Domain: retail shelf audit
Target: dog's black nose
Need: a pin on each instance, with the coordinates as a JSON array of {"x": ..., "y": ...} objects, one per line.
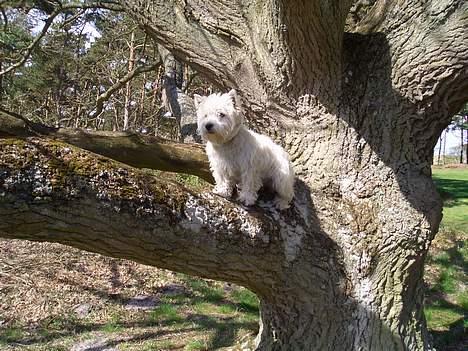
[{"x": 209, "y": 126}]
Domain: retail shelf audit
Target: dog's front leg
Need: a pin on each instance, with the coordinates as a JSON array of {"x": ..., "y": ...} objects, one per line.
[
  {"x": 249, "y": 187},
  {"x": 224, "y": 186}
]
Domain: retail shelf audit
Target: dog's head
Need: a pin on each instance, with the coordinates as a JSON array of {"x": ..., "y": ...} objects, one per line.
[{"x": 219, "y": 116}]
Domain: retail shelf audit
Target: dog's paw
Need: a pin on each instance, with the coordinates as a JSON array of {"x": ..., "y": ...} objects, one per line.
[
  {"x": 223, "y": 191},
  {"x": 247, "y": 198},
  {"x": 280, "y": 203}
]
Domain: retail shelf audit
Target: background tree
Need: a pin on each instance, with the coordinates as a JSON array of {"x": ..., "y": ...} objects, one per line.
[
  {"x": 94, "y": 69},
  {"x": 460, "y": 123},
  {"x": 83, "y": 72},
  {"x": 357, "y": 92}
]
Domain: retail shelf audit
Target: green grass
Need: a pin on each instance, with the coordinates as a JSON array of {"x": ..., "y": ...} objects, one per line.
[
  {"x": 452, "y": 184},
  {"x": 442, "y": 316},
  {"x": 447, "y": 281},
  {"x": 246, "y": 300},
  {"x": 446, "y": 305},
  {"x": 166, "y": 313},
  {"x": 153, "y": 345},
  {"x": 113, "y": 325},
  {"x": 196, "y": 345},
  {"x": 205, "y": 289},
  {"x": 12, "y": 334}
]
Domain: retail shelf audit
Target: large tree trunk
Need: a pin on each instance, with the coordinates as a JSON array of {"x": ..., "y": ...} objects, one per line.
[{"x": 357, "y": 95}]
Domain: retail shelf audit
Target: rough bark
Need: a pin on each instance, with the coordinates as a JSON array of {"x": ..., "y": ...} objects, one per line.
[
  {"x": 358, "y": 111},
  {"x": 137, "y": 150}
]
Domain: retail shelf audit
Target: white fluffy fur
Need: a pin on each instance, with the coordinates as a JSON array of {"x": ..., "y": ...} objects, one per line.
[{"x": 239, "y": 156}]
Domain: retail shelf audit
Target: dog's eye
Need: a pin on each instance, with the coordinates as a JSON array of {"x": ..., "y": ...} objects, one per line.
[{"x": 221, "y": 115}]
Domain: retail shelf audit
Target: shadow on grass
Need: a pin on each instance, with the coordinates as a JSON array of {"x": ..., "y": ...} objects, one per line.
[
  {"x": 240, "y": 314},
  {"x": 225, "y": 330},
  {"x": 452, "y": 191},
  {"x": 201, "y": 291},
  {"x": 452, "y": 256},
  {"x": 455, "y": 338},
  {"x": 449, "y": 331},
  {"x": 441, "y": 303},
  {"x": 446, "y": 301},
  {"x": 70, "y": 327}
]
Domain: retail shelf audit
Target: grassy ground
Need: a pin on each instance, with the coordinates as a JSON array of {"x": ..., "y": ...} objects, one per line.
[
  {"x": 452, "y": 184},
  {"x": 446, "y": 266},
  {"x": 55, "y": 298}
]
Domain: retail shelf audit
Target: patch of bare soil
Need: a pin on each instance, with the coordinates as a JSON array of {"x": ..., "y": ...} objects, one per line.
[
  {"x": 54, "y": 297},
  {"x": 38, "y": 280}
]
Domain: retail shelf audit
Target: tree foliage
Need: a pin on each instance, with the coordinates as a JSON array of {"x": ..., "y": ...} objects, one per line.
[{"x": 95, "y": 68}]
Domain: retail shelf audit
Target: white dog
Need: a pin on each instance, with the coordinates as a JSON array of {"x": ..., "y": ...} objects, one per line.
[{"x": 239, "y": 156}]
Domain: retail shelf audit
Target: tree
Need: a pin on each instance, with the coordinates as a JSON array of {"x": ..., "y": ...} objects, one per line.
[
  {"x": 357, "y": 91},
  {"x": 460, "y": 122}
]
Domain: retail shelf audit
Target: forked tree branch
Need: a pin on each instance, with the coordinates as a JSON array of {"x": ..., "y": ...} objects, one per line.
[
  {"x": 436, "y": 35},
  {"x": 133, "y": 149},
  {"x": 259, "y": 47},
  {"x": 204, "y": 40}
]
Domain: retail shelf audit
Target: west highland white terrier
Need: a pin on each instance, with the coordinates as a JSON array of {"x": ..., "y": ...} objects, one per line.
[{"x": 239, "y": 156}]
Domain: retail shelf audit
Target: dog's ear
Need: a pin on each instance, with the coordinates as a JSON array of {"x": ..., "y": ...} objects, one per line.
[
  {"x": 235, "y": 99},
  {"x": 198, "y": 99}
]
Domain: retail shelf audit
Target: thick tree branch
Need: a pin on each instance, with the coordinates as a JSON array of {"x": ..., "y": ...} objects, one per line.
[
  {"x": 436, "y": 34},
  {"x": 264, "y": 48},
  {"x": 305, "y": 38},
  {"x": 133, "y": 149},
  {"x": 204, "y": 39},
  {"x": 409, "y": 57},
  {"x": 50, "y": 191}
]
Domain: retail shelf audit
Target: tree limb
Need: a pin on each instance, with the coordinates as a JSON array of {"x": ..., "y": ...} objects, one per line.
[
  {"x": 109, "y": 5},
  {"x": 199, "y": 39},
  {"x": 33, "y": 44},
  {"x": 259, "y": 47},
  {"x": 51, "y": 191},
  {"x": 133, "y": 149},
  {"x": 119, "y": 84},
  {"x": 436, "y": 34},
  {"x": 421, "y": 51}
]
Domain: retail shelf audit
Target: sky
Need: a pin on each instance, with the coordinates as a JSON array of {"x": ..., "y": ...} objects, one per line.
[
  {"x": 453, "y": 140},
  {"x": 38, "y": 19}
]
